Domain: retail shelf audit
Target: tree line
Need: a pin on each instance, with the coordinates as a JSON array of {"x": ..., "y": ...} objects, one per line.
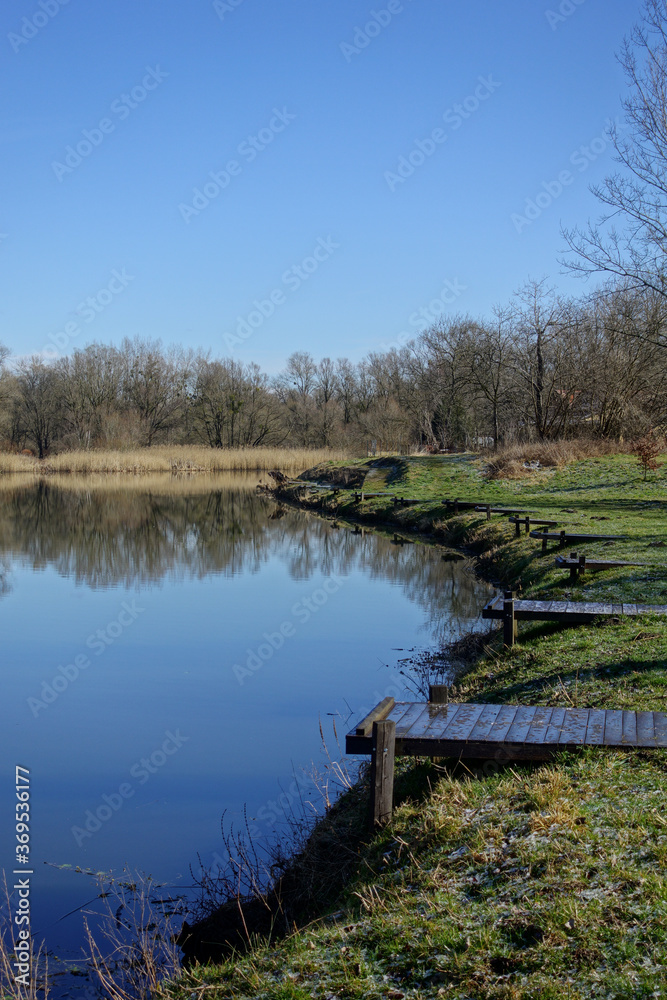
[{"x": 541, "y": 367}]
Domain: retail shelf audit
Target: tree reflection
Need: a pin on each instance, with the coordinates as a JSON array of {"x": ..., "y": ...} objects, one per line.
[{"x": 105, "y": 535}]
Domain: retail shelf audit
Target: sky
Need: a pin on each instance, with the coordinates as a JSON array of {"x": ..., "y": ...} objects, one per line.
[{"x": 256, "y": 177}]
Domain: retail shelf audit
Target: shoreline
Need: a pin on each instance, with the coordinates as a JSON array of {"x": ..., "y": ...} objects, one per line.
[{"x": 531, "y": 867}]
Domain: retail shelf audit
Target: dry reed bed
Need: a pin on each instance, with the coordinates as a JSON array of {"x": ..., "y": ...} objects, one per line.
[
  {"x": 180, "y": 458},
  {"x": 514, "y": 462}
]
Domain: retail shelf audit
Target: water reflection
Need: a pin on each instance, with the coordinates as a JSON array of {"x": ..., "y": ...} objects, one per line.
[
  {"x": 107, "y": 535},
  {"x": 216, "y": 569}
]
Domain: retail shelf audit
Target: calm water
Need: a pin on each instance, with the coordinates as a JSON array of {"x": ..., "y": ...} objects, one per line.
[{"x": 168, "y": 650}]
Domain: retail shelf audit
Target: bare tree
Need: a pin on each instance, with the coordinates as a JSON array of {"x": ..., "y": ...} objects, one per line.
[
  {"x": 89, "y": 382},
  {"x": 487, "y": 363},
  {"x": 37, "y": 403},
  {"x": 295, "y": 387},
  {"x": 155, "y": 384},
  {"x": 636, "y": 198}
]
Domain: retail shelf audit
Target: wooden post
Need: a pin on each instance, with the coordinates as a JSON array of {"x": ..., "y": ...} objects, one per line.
[
  {"x": 573, "y": 569},
  {"x": 509, "y": 621},
  {"x": 382, "y": 773},
  {"x": 438, "y": 694}
]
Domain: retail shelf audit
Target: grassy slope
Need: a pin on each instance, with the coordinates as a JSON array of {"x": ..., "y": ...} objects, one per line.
[{"x": 534, "y": 881}]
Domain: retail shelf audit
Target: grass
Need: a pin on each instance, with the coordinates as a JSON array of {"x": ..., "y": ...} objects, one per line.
[
  {"x": 171, "y": 459},
  {"x": 513, "y": 883}
]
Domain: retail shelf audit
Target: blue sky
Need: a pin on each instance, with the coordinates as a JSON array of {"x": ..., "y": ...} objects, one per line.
[{"x": 292, "y": 120}]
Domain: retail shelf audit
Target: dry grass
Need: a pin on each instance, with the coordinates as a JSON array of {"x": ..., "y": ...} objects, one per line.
[
  {"x": 37, "y": 979},
  {"x": 173, "y": 459},
  {"x": 135, "y": 946},
  {"x": 520, "y": 460}
]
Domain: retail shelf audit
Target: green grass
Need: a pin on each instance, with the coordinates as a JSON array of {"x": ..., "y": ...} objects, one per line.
[{"x": 519, "y": 882}]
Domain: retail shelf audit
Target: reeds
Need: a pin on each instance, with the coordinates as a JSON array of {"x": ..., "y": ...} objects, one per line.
[{"x": 171, "y": 459}]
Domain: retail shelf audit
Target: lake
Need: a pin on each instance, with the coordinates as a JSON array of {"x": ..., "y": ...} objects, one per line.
[{"x": 169, "y": 649}]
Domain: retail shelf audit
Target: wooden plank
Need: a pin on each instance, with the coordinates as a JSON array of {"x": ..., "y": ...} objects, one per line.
[
  {"x": 479, "y": 749},
  {"x": 660, "y": 729},
  {"x": 555, "y": 726},
  {"x": 381, "y": 711},
  {"x": 630, "y": 728},
  {"x": 645, "y": 729},
  {"x": 413, "y": 711},
  {"x": 573, "y": 730},
  {"x": 595, "y": 728},
  {"x": 504, "y": 720},
  {"x": 529, "y": 607},
  {"x": 521, "y": 725},
  {"x": 432, "y": 721},
  {"x": 613, "y": 728},
  {"x": 539, "y": 725},
  {"x": 486, "y": 720},
  {"x": 598, "y": 609},
  {"x": 460, "y": 727}
]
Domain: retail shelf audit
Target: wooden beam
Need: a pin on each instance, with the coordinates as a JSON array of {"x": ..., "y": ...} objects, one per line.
[
  {"x": 382, "y": 773},
  {"x": 509, "y": 621},
  {"x": 381, "y": 711}
]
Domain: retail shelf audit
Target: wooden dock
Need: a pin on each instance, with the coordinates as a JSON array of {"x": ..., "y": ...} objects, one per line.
[
  {"x": 511, "y": 611},
  {"x": 498, "y": 732},
  {"x": 480, "y": 505},
  {"x": 580, "y": 564},
  {"x": 526, "y": 522},
  {"x": 567, "y": 536}
]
